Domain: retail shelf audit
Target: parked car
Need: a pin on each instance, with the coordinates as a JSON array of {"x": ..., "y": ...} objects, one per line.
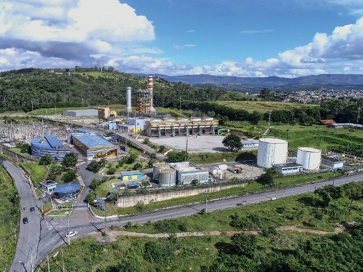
[
  {"x": 71, "y": 234},
  {"x": 25, "y": 220},
  {"x": 32, "y": 209}
]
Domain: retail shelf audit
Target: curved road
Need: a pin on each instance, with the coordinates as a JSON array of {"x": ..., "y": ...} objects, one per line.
[
  {"x": 28, "y": 240},
  {"x": 53, "y": 231}
]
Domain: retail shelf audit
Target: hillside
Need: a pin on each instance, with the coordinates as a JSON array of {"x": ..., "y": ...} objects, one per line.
[
  {"x": 43, "y": 88},
  {"x": 338, "y": 81}
]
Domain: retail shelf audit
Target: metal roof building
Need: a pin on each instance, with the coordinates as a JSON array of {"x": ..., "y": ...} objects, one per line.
[
  {"x": 94, "y": 146},
  {"x": 187, "y": 172},
  {"x": 67, "y": 189},
  {"x": 49, "y": 145},
  {"x": 79, "y": 113}
]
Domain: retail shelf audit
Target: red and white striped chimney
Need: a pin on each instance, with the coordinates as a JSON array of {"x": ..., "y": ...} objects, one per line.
[{"x": 150, "y": 87}]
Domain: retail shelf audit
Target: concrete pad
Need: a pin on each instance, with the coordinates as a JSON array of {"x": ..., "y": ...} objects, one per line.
[{"x": 196, "y": 144}]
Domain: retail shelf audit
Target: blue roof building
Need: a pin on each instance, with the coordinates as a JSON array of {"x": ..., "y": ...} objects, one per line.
[
  {"x": 94, "y": 146},
  {"x": 129, "y": 176},
  {"x": 49, "y": 145}
]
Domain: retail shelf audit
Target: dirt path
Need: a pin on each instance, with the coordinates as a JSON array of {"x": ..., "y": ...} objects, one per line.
[{"x": 113, "y": 234}]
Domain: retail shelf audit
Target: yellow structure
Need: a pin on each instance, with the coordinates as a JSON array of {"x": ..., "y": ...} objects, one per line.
[
  {"x": 144, "y": 101},
  {"x": 105, "y": 113}
]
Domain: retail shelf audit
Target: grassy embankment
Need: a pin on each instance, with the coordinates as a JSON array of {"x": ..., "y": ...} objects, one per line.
[
  {"x": 249, "y": 188},
  {"x": 17, "y": 150},
  {"x": 9, "y": 219},
  {"x": 37, "y": 172},
  {"x": 272, "y": 251}
]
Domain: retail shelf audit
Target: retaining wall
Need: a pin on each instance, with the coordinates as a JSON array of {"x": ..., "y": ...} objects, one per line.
[{"x": 130, "y": 201}]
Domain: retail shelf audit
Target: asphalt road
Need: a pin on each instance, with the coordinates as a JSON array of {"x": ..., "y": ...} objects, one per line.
[
  {"x": 54, "y": 235},
  {"x": 27, "y": 246}
]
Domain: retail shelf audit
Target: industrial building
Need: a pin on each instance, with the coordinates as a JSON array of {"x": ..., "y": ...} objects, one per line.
[
  {"x": 106, "y": 113},
  {"x": 271, "y": 151},
  {"x": 164, "y": 174},
  {"x": 48, "y": 185},
  {"x": 309, "y": 158},
  {"x": 93, "y": 146},
  {"x": 343, "y": 125},
  {"x": 330, "y": 162},
  {"x": 289, "y": 168},
  {"x": 187, "y": 172},
  {"x": 129, "y": 176},
  {"x": 49, "y": 145},
  {"x": 249, "y": 143},
  {"x": 173, "y": 127},
  {"x": 145, "y": 99},
  {"x": 80, "y": 113}
]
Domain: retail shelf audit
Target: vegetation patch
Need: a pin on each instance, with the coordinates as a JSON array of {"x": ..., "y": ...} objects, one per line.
[
  {"x": 9, "y": 219},
  {"x": 36, "y": 171}
]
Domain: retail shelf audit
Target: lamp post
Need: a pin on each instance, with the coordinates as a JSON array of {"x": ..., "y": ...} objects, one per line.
[{"x": 287, "y": 134}]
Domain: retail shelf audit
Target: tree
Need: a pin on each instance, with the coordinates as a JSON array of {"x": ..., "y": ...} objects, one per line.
[
  {"x": 45, "y": 160},
  {"x": 265, "y": 93},
  {"x": 232, "y": 142},
  {"x": 137, "y": 166},
  {"x": 111, "y": 171},
  {"x": 94, "y": 166},
  {"x": 268, "y": 179},
  {"x": 69, "y": 176},
  {"x": 70, "y": 160}
]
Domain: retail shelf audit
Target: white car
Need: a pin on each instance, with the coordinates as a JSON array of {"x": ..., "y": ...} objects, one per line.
[{"x": 71, "y": 234}]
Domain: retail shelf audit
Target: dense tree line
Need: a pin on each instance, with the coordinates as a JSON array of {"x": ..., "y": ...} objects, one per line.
[{"x": 38, "y": 88}]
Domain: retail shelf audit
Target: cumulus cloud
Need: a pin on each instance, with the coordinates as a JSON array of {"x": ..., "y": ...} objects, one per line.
[{"x": 73, "y": 30}]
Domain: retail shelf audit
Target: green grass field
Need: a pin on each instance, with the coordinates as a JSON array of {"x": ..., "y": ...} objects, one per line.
[
  {"x": 273, "y": 250},
  {"x": 319, "y": 137},
  {"x": 17, "y": 151},
  {"x": 9, "y": 219},
  {"x": 262, "y": 106},
  {"x": 37, "y": 172}
]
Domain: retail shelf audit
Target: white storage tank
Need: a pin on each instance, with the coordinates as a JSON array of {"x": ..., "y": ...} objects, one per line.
[
  {"x": 271, "y": 151},
  {"x": 309, "y": 158},
  {"x": 167, "y": 177}
]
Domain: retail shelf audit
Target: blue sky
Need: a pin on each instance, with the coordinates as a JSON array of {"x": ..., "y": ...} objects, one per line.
[{"x": 221, "y": 37}]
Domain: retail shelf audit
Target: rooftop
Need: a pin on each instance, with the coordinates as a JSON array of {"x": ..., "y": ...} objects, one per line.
[
  {"x": 288, "y": 165},
  {"x": 92, "y": 140},
  {"x": 53, "y": 141},
  {"x": 184, "y": 166}
]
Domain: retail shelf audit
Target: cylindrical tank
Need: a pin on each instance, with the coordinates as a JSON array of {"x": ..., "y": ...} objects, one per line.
[
  {"x": 271, "y": 151},
  {"x": 309, "y": 158},
  {"x": 156, "y": 169},
  {"x": 167, "y": 177},
  {"x": 128, "y": 100}
]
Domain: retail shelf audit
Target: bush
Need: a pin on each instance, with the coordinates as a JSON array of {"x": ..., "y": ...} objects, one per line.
[
  {"x": 137, "y": 166},
  {"x": 111, "y": 171}
]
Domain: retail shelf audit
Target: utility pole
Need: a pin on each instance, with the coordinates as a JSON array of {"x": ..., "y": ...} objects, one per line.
[
  {"x": 269, "y": 119},
  {"x": 31, "y": 258},
  {"x": 186, "y": 145},
  {"x": 206, "y": 202},
  {"x": 357, "y": 118},
  {"x": 105, "y": 221},
  {"x": 69, "y": 238},
  {"x": 48, "y": 263},
  {"x": 63, "y": 270}
]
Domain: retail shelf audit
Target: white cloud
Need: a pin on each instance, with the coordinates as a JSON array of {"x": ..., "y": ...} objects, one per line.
[
  {"x": 189, "y": 45},
  {"x": 74, "y": 30}
]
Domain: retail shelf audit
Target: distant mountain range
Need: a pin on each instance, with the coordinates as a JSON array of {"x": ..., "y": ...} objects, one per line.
[{"x": 255, "y": 84}]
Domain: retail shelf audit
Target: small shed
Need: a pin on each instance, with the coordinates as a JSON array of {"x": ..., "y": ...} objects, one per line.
[
  {"x": 127, "y": 176},
  {"x": 289, "y": 168},
  {"x": 48, "y": 185},
  {"x": 330, "y": 162}
]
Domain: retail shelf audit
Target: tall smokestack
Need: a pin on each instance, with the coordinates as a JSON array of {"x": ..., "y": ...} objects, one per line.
[
  {"x": 128, "y": 100},
  {"x": 150, "y": 87}
]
